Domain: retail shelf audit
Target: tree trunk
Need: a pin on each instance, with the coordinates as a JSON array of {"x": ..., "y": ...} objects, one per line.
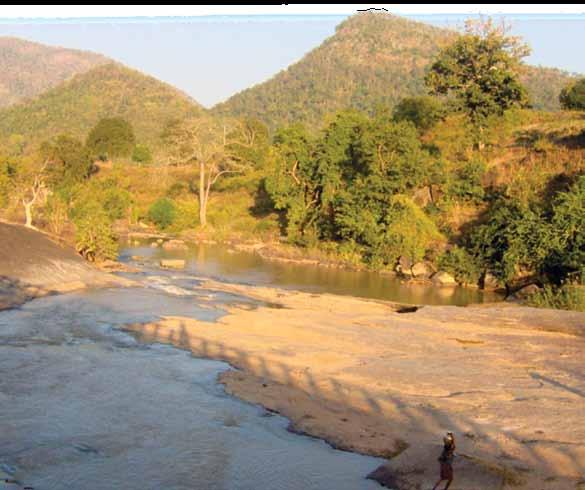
[
  {"x": 202, "y": 196},
  {"x": 28, "y": 212}
]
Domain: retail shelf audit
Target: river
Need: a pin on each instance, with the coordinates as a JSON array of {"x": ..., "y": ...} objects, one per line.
[{"x": 225, "y": 264}]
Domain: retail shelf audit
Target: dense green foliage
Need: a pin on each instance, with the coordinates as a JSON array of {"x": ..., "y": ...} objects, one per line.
[
  {"x": 28, "y": 69},
  {"x": 423, "y": 111},
  {"x": 111, "y": 91},
  {"x": 111, "y": 137},
  {"x": 372, "y": 60},
  {"x": 94, "y": 238},
  {"x": 162, "y": 213},
  {"x": 349, "y": 185},
  {"x": 548, "y": 239},
  {"x": 573, "y": 96}
]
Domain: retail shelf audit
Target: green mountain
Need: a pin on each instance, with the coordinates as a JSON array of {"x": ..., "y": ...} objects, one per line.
[
  {"x": 111, "y": 90},
  {"x": 28, "y": 69},
  {"x": 372, "y": 59}
]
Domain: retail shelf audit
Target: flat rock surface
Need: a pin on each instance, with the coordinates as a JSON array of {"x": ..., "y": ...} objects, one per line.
[
  {"x": 32, "y": 264},
  {"x": 370, "y": 379}
]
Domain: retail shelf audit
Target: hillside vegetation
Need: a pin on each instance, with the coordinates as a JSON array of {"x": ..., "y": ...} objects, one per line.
[
  {"x": 373, "y": 59},
  {"x": 27, "y": 69},
  {"x": 110, "y": 90}
]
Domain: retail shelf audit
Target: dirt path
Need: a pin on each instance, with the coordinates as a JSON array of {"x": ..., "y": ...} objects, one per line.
[{"x": 370, "y": 379}]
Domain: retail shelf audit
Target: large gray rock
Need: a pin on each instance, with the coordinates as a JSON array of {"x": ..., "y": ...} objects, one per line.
[
  {"x": 442, "y": 278},
  {"x": 172, "y": 263},
  {"x": 422, "y": 270}
]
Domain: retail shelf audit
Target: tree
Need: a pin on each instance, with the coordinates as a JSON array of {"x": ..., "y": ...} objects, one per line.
[
  {"x": 292, "y": 184},
  {"x": 69, "y": 161},
  {"x": 33, "y": 188},
  {"x": 111, "y": 137},
  {"x": 423, "y": 111},
  {"x": 210, "y": 144},
  {"x": 572, "y": 97},
  {"x": 480, "y": 70}
]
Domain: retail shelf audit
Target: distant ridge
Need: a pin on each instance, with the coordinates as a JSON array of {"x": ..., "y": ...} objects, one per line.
[
  {"x": 109, "y": 90},
  {"x": 374, "y": 58},
  {"x": 28, "y": 69}
]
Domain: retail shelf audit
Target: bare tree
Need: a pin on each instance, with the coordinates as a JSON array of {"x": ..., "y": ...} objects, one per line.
[
  {"x": 34, "y": 191},
  {"x": 213, "y": 145}
]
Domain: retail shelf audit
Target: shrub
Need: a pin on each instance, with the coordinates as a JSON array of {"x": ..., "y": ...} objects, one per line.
[
  {"x": 566, "y": 297},
  {"x": 458, "y": 262},
  {"x": 423, "y": 111},
  {"x": 466, "y": 184},
  {"x": 94, "y": 237},
  {"x": 141, "y": 154},
  {"x": 162, "y": 213},
  {"x": 572, "y": 97}
]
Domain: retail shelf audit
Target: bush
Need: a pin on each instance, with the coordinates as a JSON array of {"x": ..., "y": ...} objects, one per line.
[
  {"x": 141, "y": 154},
  {"x": 458, "y": 262},
  {"x": 423, "y": 111},
  {"x": 566, "y": 297},
  {"x": 186, "y": 215},
  {"x": 572, "y": 97},
  {"x": 162, "y": 213},
  {"x": 466, "y": 184},
  {"x": 94, "y": 237}
]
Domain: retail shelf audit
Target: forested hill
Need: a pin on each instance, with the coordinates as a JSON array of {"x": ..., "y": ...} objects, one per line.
[
  {"x": 372, "y": 59},
  {"x": 28, "y": 69},
  {"x": 106, "y": 91}
]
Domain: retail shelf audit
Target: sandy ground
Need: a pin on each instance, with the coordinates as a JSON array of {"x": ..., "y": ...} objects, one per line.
[{"x": 379, "y": 379}]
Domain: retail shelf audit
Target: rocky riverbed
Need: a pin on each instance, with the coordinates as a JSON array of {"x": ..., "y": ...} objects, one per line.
[{"x": 382, "y": 379}]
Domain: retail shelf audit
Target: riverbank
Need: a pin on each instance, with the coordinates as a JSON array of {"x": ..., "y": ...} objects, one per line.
[
  {"x": 34, "y": 264},
  {"x": 384, "y": 380}
]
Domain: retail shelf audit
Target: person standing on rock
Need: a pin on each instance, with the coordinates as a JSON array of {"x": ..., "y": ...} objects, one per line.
[{"x": 446, "y": 461}]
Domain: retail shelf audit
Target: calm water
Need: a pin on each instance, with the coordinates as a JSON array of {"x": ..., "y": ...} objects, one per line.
[
  {"x": 219, "y": 262},
  {"x": 84, "y": 405}
]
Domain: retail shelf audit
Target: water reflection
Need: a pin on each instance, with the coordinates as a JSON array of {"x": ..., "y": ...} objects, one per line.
[{"x": 219, "y": 262}]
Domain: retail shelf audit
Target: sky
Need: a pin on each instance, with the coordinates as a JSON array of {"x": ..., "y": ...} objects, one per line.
[{"x": 213, "y": 54}]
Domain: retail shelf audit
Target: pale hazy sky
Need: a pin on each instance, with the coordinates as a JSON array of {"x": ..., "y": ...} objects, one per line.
[{"x": 213, "y": 57}]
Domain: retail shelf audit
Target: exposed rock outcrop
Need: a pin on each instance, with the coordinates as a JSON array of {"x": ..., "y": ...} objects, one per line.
[{"x": 33, "y": 264}]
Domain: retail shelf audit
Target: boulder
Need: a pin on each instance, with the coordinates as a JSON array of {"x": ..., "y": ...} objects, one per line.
[
  {"x": 159, "y": 241},
  {"x": 422, "y": 270},
  {"x": 172, "y": 264},
  {"x": 154, "y": 245},
  {"x": 489, "y": 281},
  {"x": 175, "y": 245},
  {"x": 404, "y": 266},
  {"x": 442, "y": 278}
]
